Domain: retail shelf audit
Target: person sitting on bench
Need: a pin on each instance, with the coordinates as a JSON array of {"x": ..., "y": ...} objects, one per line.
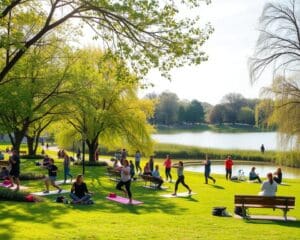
[
  {"x": 269, "y": 187},
  {"x": 278, "y": 176},
  {"x": 147, "y": 170},
  {"x": 79, "y": 192},
  {"x": 156, "y": 176},
  {"x": 253, "y": 175}
]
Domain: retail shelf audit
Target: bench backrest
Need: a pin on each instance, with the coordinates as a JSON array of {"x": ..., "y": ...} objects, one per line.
[{"x": 264, "y": 200}]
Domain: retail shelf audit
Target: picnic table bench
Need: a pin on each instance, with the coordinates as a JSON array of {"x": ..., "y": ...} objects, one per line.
[
  {"x": 113, "y": 174},
  {"x": 251, "y": 201}
]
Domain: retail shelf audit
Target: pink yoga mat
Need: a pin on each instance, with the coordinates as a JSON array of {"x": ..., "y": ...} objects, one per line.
[{"x": 123, "y": 200}]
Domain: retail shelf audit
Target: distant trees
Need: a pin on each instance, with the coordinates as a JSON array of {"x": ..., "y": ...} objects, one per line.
[{"x": 234, "y": 109}]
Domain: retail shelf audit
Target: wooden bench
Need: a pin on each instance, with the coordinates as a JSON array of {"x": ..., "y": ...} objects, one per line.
[
  {"x": 113, "y": 174},
  {"x": 251, "y": 201},
  {"x": 150, "y": 182}
]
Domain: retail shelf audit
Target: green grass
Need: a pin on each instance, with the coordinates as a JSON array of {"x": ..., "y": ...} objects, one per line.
[{"x": 158, "y": 218}]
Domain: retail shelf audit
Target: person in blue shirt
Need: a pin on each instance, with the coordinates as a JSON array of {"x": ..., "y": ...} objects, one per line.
[
  {"x": 253, "y": 175},
  {"x": 157, "y": 177}
]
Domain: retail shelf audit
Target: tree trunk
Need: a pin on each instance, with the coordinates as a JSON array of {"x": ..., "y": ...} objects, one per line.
[
  {"x": 93, "y": 145},
  {"x": 30, "y": 147}
]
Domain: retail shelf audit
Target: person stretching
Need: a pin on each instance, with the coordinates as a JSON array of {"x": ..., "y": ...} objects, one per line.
[
  {"x": 207, "y": 168},
  {"x": 79, "y": 192},
  {"x": 52, "y": 173},
  {"x": 168, "y": 165},
  {"x": 125, "y": 180},
  {"x": 180, "y": 179}
]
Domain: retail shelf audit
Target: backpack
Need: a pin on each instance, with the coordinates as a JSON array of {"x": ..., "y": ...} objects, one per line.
[
  {"x": 60, "y": 199},
  {"x": 219, "y": 211},
  {"x": 238, "y": 211}
]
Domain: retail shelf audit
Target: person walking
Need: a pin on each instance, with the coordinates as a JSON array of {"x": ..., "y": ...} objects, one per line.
[
  {"x": 14, "y": 162},
  {"x": 125, "y": 180},
  {"x": 137, "y": 157},
  {"x": 228, "y": 167},
  {"x": 67, "y": 168},
  {"x": 180, "y": 179},
  {"x": 168, "y": 166},
  {"x": 207, "y": 169},
  {"x": 52, "y": 173}
]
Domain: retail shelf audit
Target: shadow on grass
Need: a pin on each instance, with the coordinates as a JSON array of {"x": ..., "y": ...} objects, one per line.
[
  {"x": 29, "y": 212},
  {"x": 218, "y": 186},
  {"x": 295, "y": 224}
]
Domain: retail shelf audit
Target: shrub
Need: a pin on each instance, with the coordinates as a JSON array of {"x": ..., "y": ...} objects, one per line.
[
  {"x": 94, "y": 164},
  {"x": 10, "y": 195},
  {"x": 32, "y": 156}
]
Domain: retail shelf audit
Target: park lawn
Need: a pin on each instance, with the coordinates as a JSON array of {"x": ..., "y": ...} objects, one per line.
[{"x": 157, "y": 218}]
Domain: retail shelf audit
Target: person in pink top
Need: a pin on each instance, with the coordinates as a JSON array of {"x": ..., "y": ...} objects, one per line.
[
  {"x": 168, "y": 166},
  {"x": 228, "y": 167}
]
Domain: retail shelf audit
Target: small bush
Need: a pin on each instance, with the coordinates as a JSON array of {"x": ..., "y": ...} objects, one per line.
[
  {"x": 7, "y": 194},
  {"x": 32, "y": 156},
  {"x": 31, "y": 176},
  {"x": 93, "y": 164}
]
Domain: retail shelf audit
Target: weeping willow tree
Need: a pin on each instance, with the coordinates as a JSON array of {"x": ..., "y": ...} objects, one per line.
[
  {"x": 105, "y": 109},
  {"x": 278, "y": 47}
]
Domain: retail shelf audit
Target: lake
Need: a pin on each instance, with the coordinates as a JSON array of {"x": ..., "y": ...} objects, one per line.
[
  {"x": 209, "y": 139},
  {"x": 261, "y": 169}
]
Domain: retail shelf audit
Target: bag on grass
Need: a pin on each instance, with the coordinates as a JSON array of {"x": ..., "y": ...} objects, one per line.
[
  {"x": 219, "y": 211},
  {"x": 238, "y": 211},
  {"x": 60, "y": 199}
]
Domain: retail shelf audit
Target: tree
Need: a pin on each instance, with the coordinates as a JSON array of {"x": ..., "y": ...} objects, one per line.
[
  {"x": 106, "y": 108},
  {"x": 263, "y": 113},
  {"x": 278, "y": 43},
  {"x": 149, "y": 33},
  {"x": 195, "y": 112},
  {"x": 246, "y": 116},
  {"x": 216, "y": 114},
  {"x": 35, "y": 94},
  {"x": 167, "y": 108},
  {"x": 233, "y": 103}
]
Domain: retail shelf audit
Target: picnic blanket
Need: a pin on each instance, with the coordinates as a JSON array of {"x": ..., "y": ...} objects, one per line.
[{"x": 123, "y": 200}]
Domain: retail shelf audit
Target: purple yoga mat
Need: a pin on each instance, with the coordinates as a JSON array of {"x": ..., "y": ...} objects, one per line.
[{"x": 123, "y": 200}]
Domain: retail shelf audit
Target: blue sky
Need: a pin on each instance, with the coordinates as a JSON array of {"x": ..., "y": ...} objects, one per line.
[{"x": 236, "y": 31}]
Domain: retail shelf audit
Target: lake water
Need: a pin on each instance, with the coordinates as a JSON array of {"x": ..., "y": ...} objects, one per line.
[
  {"x": 261, "y": 169},
  {"x": 250, "y": 141}
]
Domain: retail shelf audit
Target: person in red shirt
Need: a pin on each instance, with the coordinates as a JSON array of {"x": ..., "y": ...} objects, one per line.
[
  {"x": 228, "y": 167},
  {"x": 168, "y": 166}
]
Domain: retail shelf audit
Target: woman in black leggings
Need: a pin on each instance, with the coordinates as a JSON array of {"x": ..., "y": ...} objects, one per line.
[
  {"x": 180, "y": 179},
  {"x": 125, "y": 180}
]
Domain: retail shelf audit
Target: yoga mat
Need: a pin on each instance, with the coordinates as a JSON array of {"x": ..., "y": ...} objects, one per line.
[
  {"x": 54, "y": 192},
  {"x": 14, "y": 187},
  {"x": 59, "y": 182},
  {"x": 183, "y": 194},
  {"x": 123, "y": 200}
]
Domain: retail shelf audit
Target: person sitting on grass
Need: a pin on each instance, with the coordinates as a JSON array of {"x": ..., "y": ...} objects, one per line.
[
  {"x": 4, "y": 174},
  {"x": 1, "y": 156},
  {"x": 269, "y": 187},
  {"x": 147, "y": 170},
  {"x": 278, "y": 176},
  {"x": 253, "y": 175},
  {"x": 156, "y": 176},
  {"x": 52, "y": 173},
  {"x": 79, "y": 192},
  {"x": 180, "y": 179}
]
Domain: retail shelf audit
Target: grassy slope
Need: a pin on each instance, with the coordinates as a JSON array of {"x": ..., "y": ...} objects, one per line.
[{"x": 158, "y": 218}]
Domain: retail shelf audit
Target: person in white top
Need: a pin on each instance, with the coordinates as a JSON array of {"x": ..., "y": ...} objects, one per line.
[
  {"x": 269, "y": 187},
  {"x": 125, "y": 180}
]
